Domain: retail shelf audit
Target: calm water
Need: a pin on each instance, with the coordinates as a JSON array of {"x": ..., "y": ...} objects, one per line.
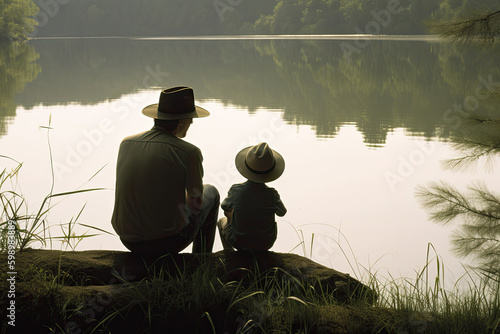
[{"x": 358, "y": 133}]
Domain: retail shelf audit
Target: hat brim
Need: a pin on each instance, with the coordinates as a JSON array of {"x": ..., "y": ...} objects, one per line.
[
  {"x": 275, "y": 173},
  {"x": 152, "y": 111}
]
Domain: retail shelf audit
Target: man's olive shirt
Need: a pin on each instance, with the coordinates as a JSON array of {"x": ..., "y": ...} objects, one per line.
[{"x": 154, "y": 171}]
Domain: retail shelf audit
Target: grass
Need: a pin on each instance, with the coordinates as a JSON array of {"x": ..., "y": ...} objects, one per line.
[
  {"x": 32, "y": 226},
  {"x": 423, "y": 305},
  {"x": 205, "y": 301}
]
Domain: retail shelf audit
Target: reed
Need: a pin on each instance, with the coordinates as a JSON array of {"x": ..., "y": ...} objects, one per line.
[
  {"x": 30, "y": 227},
  {"x": 424, "y": 305}
]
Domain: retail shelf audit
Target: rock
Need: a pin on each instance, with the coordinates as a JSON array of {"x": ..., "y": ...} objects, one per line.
[
  {"x": 102, "y": 267},
  {"x": 115, "y": 291}
]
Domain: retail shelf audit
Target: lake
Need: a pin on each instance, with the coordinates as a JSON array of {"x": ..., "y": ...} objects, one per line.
[{"x": 360, "y": 122}]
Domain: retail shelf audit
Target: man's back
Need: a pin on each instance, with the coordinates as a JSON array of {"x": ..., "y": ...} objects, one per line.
[{"x": 154, "y": 171}]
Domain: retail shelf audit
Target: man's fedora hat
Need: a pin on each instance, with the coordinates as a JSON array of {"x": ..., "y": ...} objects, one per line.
[
  {"x": 260, "y": 163},
  {"x": 175, "y": 103}
]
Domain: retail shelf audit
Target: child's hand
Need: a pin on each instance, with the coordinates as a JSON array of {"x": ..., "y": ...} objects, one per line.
[{"x": 228, "y": 214}]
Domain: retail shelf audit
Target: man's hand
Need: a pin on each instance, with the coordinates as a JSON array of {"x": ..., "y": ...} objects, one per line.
[{"x": 194, "y": 201}]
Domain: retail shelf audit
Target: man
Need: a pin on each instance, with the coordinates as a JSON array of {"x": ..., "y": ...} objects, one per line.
[{"x": 161, "y": 204}]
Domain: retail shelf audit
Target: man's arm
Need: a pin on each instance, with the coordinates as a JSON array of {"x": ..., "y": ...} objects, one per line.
[
  {"x": 194, "y": 201},
  {"x": 194, "y": 184}
]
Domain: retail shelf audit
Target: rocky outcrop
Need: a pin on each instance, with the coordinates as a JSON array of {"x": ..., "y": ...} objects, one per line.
[
  {"x": 102, "y": 267},
  {"x": 85, "y": 291}
]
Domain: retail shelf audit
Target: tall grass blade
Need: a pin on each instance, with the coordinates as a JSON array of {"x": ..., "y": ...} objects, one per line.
[
  {"x": 96, "y": 228},
  {"x": 207, "y": 315},
  {"x": 100, "y": 169}
]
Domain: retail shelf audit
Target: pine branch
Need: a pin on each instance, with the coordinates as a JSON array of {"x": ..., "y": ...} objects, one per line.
[
  {"x": 479, "y": 137},
  {"x": 474, "y": 155},
  {"x": 482, "y": 28},
  {"x": 491, "y": 202},
  {"x": 466, "y": 245},
  {"x": 493, "y": 273},
  {"x": 445, "y": 202},
  {"x": 479, "y": 234},
  {"x": 484, "y": 249}
]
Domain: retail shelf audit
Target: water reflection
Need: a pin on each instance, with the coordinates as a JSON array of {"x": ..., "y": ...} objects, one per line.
[
  {"x": 390, "y": 90},
  {"x": 17, "y": 67},
  {"x": 388, "y": 85}
]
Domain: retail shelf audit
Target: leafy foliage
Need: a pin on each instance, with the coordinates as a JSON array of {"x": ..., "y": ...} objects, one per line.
[
  {"x": 16, "y": 20},
  {"x": 200, "y": 17}
]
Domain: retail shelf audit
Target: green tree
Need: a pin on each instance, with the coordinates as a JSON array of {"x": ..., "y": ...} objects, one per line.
[
  {"x": 287, "y": 14},
  {"x": 16, "y": 18},
  {"x": 201, "y": 17},
  {"x": 350, "y": 8}
]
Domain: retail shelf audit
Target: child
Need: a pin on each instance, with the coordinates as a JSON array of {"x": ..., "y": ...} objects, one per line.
[{"x": 250, "y": 206}]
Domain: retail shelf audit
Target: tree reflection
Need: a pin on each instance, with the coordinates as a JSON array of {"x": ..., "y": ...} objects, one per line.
[
  {"x": 388, "y": 85},
  {"x": 17, "y": 67}
]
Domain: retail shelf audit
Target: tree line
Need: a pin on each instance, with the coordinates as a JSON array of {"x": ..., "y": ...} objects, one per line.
[
  {"x": 19, "y": 18},
  {"x": 16, "y": 18}
]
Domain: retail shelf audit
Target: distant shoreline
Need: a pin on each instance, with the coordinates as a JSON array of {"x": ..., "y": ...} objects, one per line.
[{"x": 430, "y": 38}]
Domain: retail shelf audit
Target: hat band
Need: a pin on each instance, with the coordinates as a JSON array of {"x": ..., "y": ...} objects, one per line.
[{"x": 261, "y": 172}]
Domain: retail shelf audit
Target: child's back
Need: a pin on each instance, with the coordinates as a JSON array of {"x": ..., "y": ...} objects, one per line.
[
  {"x": 253, "y": 219},
  {"x": 250, "y": 207}
]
